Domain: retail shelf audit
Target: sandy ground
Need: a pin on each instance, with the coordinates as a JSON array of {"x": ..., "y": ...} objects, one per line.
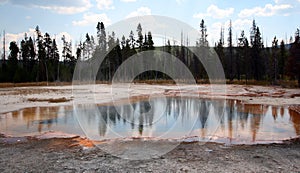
[
  {"x": 61, "y": 155},
  {"x": 66, "y": 155},
  {"x": 17, "y": 98}
]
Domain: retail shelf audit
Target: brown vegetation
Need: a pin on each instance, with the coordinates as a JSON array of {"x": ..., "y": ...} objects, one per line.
[
  {"x": 283, "y": 83},
  {"x": 30, "y": 84},
  {"x": 50, "y": 100}
]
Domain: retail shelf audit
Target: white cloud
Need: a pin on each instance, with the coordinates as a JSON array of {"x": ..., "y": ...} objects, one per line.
[
  {"x": 18, "y": 37},
  {"x": 140, "y": 12},
  {"x": 267, "y": 10},
  {"x": 68, "y": 37},
  {"x": 65, "y": 10},
  {"x": 242, "y": 24},
  {"x": 128, "y": 0},
  {"x": 287, "y": 1},
  {"x": 214, "y": 32},
  {"x": 9, "y": 37},
  {"x": 59, "y": 41},
  {"x": 105, "y": 4},
  {"x": 28, "y": 17},
  {"x": 92, "y": 19},
  {"x": 215, "y": 12},
  {"x": 180, "y": 1},
  {"x": 56, "y": 6},
  {"x": 237, "y": 26}
]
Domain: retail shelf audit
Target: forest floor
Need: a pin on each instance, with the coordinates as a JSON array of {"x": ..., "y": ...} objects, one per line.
[{"x": 27, "y": 154}]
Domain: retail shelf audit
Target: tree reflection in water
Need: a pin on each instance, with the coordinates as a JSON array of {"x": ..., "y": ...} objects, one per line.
[
  {"x": 177, "y": 118},
  {"x": 218, "y": 120}
]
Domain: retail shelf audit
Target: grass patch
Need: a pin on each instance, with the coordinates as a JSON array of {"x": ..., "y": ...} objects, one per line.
[
  {"x": 156, "y": 82},
  {"x": 282, "y": 83},
  {"x": 29, "y": 84}
]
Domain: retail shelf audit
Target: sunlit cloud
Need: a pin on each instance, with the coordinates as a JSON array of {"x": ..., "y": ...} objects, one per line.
[
  {"x": 18, "y": 37},
  {"x": 179, "y": 2},
  {"x": 266, "y": 11},
  {"x": 128, "y": 0},
  {"x": 215, "y": 12},
  {"x": 105, "y": 4},
  {"x": 140, "y": 12},
  {"x": 92, "y": 19},
  {"x": 237, "y": 26},
  {"x": 56, "y": 6}
]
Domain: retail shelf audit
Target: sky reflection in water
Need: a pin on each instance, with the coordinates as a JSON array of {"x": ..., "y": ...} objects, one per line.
[{"x": 215, "y": 120}]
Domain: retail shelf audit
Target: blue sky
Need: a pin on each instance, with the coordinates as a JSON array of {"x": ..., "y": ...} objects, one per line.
[{"x": 74, "y": 18}]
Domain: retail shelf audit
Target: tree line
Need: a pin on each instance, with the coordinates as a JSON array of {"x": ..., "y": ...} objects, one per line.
[
  {"x": 39, "y": 59},
  {"x": 251, "y": 59}
]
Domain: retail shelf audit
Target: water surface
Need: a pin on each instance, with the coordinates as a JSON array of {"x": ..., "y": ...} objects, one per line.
[{"x": 226, "y": 121}]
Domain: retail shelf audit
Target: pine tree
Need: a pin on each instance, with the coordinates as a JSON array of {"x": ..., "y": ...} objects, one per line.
[
  {"x": 47, "y": 45},
  {"x": 111, "y": 58},
  {"x": 67, "y": 49},
  {"x": 79, "y": 51},
  {"x": 219, "y": 47},
  {"x": 32, "y": 60},
  {"x": 132, "y": 40},
  {"x": 123, "y": 42},
  {"x": 256, "y": 51},
  {"x": 101, "y": 36},
  {"x": 243, "y": 59},
  {"x": 43, "y": 71},
  {"x": 125, "y": 48},
  {"x": 111, "y": 41},
  {"x": 98, "y": 27},
  {"x": 203, "y": 38},
  {"x": 88, "y": 47},
  {"x": 230, "y": 47},
  {"x": 140, "y": 36},
  {"x": 150, "y": 41},
  {"x": 204, "y": 50},
  {"x": 50, "y": 72},
  {"x": 282, "y": 60},
  {"x": 99, "y": 50},
  {"x": 13, "y": 61},
  {"x": 274, "y": 61},
  {"x": 293, "y": 64},
  {"x": 25, "y": 52},
  {"x": 118, "y": 52},
  {"x": 54, "y": 60},
  {"x": 145, "y": 44}
]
